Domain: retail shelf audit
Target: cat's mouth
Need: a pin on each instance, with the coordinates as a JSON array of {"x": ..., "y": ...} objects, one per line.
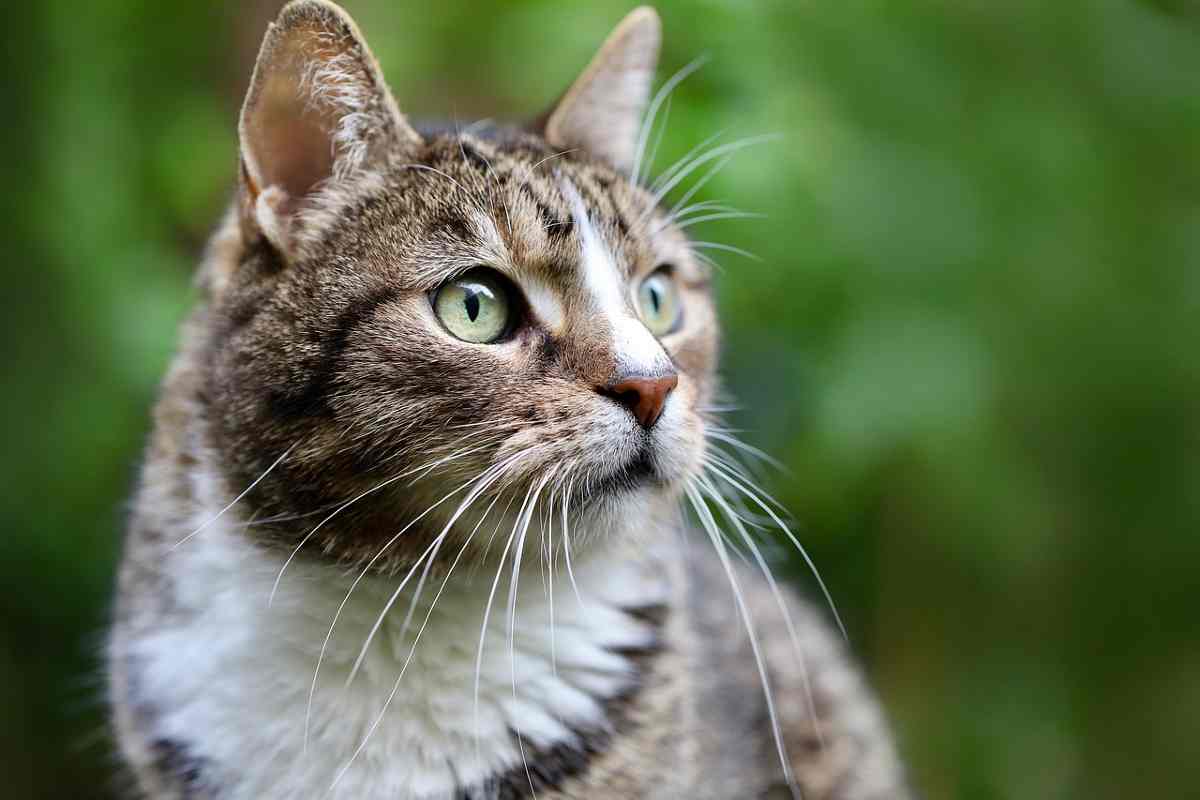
[{"x": 636, "y": 473}]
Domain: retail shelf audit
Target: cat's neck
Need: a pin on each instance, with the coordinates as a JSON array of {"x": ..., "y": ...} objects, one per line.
[{"x": 437, "y": 695}]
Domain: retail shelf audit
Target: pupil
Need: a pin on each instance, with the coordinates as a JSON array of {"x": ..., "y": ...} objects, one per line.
[
  {"x": 655, "y": 300},
  {"x": 472, "y": 303}
]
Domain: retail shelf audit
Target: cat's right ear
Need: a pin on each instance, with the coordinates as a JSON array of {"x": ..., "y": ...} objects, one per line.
[{"x": 317, "y": 114}]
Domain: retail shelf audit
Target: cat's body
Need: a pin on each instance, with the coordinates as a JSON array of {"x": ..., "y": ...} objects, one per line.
[{"x": 375, "y": 553}]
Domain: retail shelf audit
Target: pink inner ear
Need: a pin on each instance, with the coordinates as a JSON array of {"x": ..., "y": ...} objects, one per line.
[{"x": 292, "y": 141}]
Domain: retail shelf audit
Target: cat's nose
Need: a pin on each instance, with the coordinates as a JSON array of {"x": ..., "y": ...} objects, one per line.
[{"x": 644, "y": 396}]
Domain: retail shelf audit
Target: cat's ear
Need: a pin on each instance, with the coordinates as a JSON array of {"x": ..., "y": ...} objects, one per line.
[
  {"x": 602, "y": 111},
  {"x": 317, "y": 113}
]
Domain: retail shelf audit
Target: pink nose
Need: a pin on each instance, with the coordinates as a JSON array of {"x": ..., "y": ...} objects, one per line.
[{"x": 643, "y": 396}]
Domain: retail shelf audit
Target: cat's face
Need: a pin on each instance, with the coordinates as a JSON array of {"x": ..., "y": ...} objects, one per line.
[{"x": 506, "y": 314}]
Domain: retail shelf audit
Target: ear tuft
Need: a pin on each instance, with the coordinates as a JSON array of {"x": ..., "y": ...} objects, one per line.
[
  {"x": 317, "y": 111},
  {"x": 602, "y": 111}
]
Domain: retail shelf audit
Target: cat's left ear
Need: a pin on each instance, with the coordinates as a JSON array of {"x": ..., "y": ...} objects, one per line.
[
  {"x": 318, "y": 116},
  {"x": 602, "y": 111}
]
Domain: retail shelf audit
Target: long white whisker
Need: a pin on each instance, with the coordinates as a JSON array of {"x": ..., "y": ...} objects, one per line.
[
  {"x": 718, "y": 542},
  {"x": 482, "y": 483},
  {"x": 705, "y": 259},
  {"x": 512, "y": 618},
  {"x": 716, "y": 454},
  {"x": 426, "y": 557},
  {"x": 237, "y": 499},
  {"x": 412, "y": 650},
  {"x": 548, "y": 536},
  {"x": 700, "y": 184},
  {"x": 687, "y": 158},
  {"x": 663, "y": 93},
  {"x": 718, "y": 216},
  {"x": 750, "y": 495},
  {"x": 424, "y": 470},
  {"x": 487, "y": 611},
  {"x": 733, "y": 441},
  {"x": 705, "y": 205},
  {"x": 658, "y": 137},
  {"x": 435, "y": 171},
  {"x": 728, "y": 248},
  {"x": 713, "y": 154},
  {"x": 487, "y": 548},
  {"x": 312, "y": 690},
  {"x": 479, "y": 193},
  {"x": 553, "y": 156},
  {"x": 773, "y": 586},
  {"x": 566, "y": 537}
]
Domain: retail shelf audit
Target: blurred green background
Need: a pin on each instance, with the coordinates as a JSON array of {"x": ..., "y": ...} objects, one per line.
[{"x": 973, "y": 336}]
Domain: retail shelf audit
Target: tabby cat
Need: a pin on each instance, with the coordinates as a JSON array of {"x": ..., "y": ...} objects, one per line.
[{"x": 409, "y": 524}]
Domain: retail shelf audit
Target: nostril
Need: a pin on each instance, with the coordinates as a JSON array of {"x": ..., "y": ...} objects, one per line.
[
  {"x": 628, "y": 398},
  {"x": 644, "y": 396}
]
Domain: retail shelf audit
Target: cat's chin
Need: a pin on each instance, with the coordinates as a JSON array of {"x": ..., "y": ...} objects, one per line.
[{"x": 647, "y": 470}]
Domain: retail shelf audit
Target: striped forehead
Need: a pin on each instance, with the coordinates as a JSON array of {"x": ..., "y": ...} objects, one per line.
[
  {"x": 603, "y": 283},
  {"x": 563, "y": 234},
  {"x": 560, "y": 247},
  {"x": 517, "y": 190},
  {"x": 602, "y": 279},
  {"x": 570, "y": 259}
]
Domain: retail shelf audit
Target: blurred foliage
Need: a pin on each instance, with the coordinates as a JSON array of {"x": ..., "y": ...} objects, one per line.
[{"x": 972, "y": 336}]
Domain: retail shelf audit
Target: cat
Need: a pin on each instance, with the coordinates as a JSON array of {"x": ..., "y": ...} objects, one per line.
[{"x": 409, "y": 522}]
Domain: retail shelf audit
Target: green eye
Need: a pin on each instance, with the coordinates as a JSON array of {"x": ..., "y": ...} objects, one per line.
[
  {"x": 475, "y": 307},
  {"x": 658, "y": 303}
]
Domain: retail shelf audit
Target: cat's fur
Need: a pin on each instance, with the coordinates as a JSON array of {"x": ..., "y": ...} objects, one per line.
[{"x": 297, "y": 524}]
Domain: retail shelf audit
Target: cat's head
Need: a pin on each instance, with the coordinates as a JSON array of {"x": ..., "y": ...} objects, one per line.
[{"x": 504, "y": 316}]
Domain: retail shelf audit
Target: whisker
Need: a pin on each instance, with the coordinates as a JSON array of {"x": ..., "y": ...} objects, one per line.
[
  {"x": 710, "y": 526},
  {"x": 411, "y": 652},
  {"x": 237, "y": 499},
  {"x": 487, "y": 548},
  {"x": 663, "y": 93},
  {"x": 312, "y": 690},
  {"x": 719, "y": 216},
  {"x": 423, "y": 470},
  {"x": 487, "y": 615},
  {"x": 716, "y": 454},
  {"x": 258, "y": 522},
  {"x": 566, "y": 537},
  {"x": 700, "y": 184},
  {"x": 728, "y": 248},
  {"x": 773, "y": 586},
  {"x": 658, "y": 137},
  {"x": 719, "y": 151},
  {"x": 687, "y": 158},
  {"x": 495, "y": 183},
  {"x": 503, "y": 200},
  {"x": 728, "y": 438},
  {"x": 704, "y": 259},
  {"x": 434, "y": 170},
  {"x": 553, "y": 156},
  {"x": 486, "y": 479},
  {"x": 550, "y": 561},
  {"x": 754, "y": 498},
  {"x": 705, "y": 205},
  {"x": 512, "y": 619},
  {"x": 426, "y": 557},
  {"x": 479, "y": 192},
  {"x": 477, "y": 126}
]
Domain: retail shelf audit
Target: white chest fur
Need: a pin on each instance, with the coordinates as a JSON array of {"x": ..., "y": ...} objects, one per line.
[{"x": 234, "y": 679}]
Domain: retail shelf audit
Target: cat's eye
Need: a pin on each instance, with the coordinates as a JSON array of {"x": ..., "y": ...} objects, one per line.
[
  {"x": 476, "y": 307},
  {"x": 659, "y": 304}
]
